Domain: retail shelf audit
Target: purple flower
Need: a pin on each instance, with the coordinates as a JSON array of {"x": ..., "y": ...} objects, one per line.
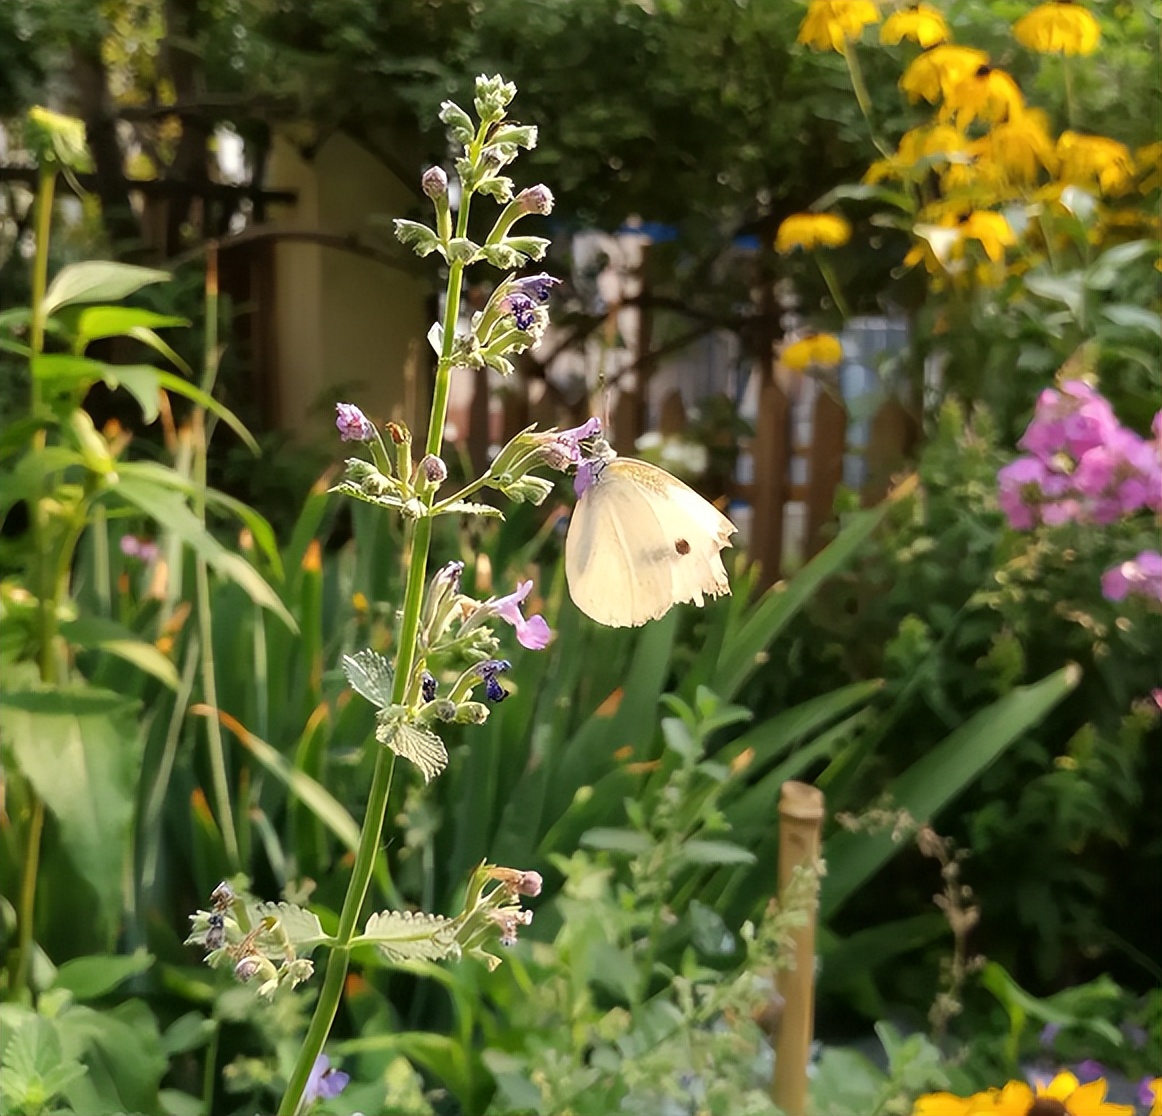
[
  {"x": 1090, "y": 1070},
  {"x": 142, "y": 549},
  {"x": 1072, "y": 420},
  {"x": 1140, "y": 576},
  {"x": 533, "y": 633},
  {"x": 1049, "y": 1034},
  {"x": 352, "y": 423},
  {"x": 1020, "y": 486},
  {"x": 1146, "y": 1092},
  {"x": 324, "y": 1083},
  {"x": 587, "y": 474},
  {"x": 536, "y": 287},
  {"x": 428, "y": 686},
  {"x": 488, "y": 670},
  {"x": 562, "y": 448},
  {"x": 522, "y": 308}
]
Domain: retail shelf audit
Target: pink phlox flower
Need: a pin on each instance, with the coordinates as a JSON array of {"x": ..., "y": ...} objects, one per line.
[
  {"x": 1075, "y": 419},
  {"x": 533, "y": 633},
  {"x": 1141, "y": 576}
]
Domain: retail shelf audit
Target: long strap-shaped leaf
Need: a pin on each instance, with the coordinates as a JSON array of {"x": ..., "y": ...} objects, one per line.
[
  {"x": 743, "y": 650},
  {"x": 934, "y": 781}
]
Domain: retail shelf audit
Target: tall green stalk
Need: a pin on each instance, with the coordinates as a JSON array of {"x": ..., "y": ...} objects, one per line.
[
  {"x": 45, "y": 581},
  {"x": 416, "y": 562}
]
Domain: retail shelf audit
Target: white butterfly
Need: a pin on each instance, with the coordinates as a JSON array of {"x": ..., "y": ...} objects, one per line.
[{"x": 640, "y": 542}]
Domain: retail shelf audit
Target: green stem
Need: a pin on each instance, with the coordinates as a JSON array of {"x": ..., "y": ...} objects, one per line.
[
  {"x": 863, "y": 98},
  {"x": 223, "y": 805},
  {"x": 828, "y": 273},
  {"x": 416, "y": 562},
  {"x": 1067, "y": 82},
  {"x": 21, "y": 962}
]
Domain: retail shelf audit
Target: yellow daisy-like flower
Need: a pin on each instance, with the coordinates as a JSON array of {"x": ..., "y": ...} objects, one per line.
[
  {"x": 1063, "y": 1096},
  {"x": 932, "y": 74},
  {"x": 832, "y": 24},
  {"x": 819, "y": 349},
  {"x": 921, "y": 23},
  {"x": 1058, "y": 27},
  {"x": 1099, "y": 161},
  {"x": 1020, "y": 146},
  {"x": 1156, "y": 1088},
  {"x": 1149, "y": 162},
  {"x": 990, "y": 230},
  {"x": 986, "y": 94},
  {"x": 812, "y": 230}
]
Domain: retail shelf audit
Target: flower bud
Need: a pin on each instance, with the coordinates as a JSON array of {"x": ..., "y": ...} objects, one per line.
[
  {"x": 433, "y": 470},
  {"x": 353, "y": 425},
  {"x": 251, "y": 966},
  {"x": 435, "y": 183},
  {"x": 471, "y": 713},
  {"x": 428, "y": 686},
  {"x": 530, "y": 884},
  {"x": 536, "y": 199}
]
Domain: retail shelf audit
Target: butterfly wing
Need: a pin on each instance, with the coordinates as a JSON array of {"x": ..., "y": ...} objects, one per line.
[{"x": 640, "y": 542}]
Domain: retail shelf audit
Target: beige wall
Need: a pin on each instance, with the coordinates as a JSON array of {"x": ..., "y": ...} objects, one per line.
[{"x": 343, "y": 323}]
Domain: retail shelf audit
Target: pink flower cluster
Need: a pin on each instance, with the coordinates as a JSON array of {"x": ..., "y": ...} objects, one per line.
[
  {"x": 1080, "y": 464},
  {"x": 1141, "y": 576}
]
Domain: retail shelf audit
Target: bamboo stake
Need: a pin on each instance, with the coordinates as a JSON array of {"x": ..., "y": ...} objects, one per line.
[{"x": 800, "y": 821}]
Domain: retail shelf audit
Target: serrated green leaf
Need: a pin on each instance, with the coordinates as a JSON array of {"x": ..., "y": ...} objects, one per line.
[
  {"x": 370, "y": 675},
  {"x": 98, "y": 281},
  {"x": 301, "y": 926},
  {"x": 466, "y": 507},
  {"x": 35, "y": 1068},
  {"x": 411, "y": 742},
  {"x": 403, "y": 936},
  {"x": 346, "y": 488}
]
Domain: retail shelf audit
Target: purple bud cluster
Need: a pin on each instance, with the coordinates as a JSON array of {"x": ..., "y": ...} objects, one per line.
[{"x": 1080, "y": 464}]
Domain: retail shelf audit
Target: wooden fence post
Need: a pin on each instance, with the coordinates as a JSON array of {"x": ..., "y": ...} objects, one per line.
[
  {"x": 771, "y": 456},
  {"x": 890, "y": 442},
  {"x": 800, "y": 820}
]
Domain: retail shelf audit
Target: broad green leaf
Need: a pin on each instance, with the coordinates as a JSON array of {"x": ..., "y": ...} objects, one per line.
[
  {"x": 312, "y": 794},
  {"x": 370, "y": 675},
  {"x": 936, "y": 779},
  {"x": 403, "y": 936},
  {"x": 98, "y": 281},
  {"x": 88, "y": 978},
  {"x": 101, "y": 634},
  {"x": 1134, "y": 317},
  {"x": 67, "y": 370},
  {"x": 35, "y": 1068},
  {"x": 1050, "y": 1009},
  {"x": 97, "y": 322},
  {"x": 80, "y": 748}
]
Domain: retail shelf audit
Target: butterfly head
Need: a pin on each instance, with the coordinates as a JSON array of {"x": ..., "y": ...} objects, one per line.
[{"x": 600, "y": 454}]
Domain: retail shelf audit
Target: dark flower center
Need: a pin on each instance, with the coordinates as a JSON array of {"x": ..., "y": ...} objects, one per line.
[{"x": 1047, "y": 1106}]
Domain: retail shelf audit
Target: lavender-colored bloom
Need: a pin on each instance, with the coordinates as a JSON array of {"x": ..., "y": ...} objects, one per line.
[
  {"x": 522, "y": 308},
  {"x": 533, "y": 633},
  {"x": 1020, "y": 486},
  {"x": 428, "y": 686},
  {"x": 530, "y": 884},
  {"x": 142, "y": 549},
  {"x": 1146, "y": 1091},
  {"x": 1090, "y": 1070},
  {"x": 562, "y": 448},
  {"x": 488, "y": 670},
  {"x": 1140, "y": 576},
  {"x": 352, "y": 423},
  {"x": 1049, "y": 1034},
  {"x": 586, "y": 476},
  {"x": 324, "y": 1082},
  {"x": 536, "y": 287}
]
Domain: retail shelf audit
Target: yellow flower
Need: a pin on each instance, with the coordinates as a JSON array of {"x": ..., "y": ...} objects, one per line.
[
  {"x": 1063, "y": 1096},
  {"x": 1149, "y": 161},
  {"x": 990, "y": 230},
  {"x": 816, "y": 349},
  {"x": 941, "y": 246},
  {"x": 832, "y": 24},
  {"x": 986, "y": 94},
  {"x": 921, "y": 23},
  {"x": 1020, "y": 146},
  {"x": 932, "y": 74},
  {"x": 1156, "y": 1107},
  {"x": 812, "y": 230},
  {"x": 1058, "y": 27},
  {"x": 918, "y": 151},
  {"x": 1095, "y": 160}
]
